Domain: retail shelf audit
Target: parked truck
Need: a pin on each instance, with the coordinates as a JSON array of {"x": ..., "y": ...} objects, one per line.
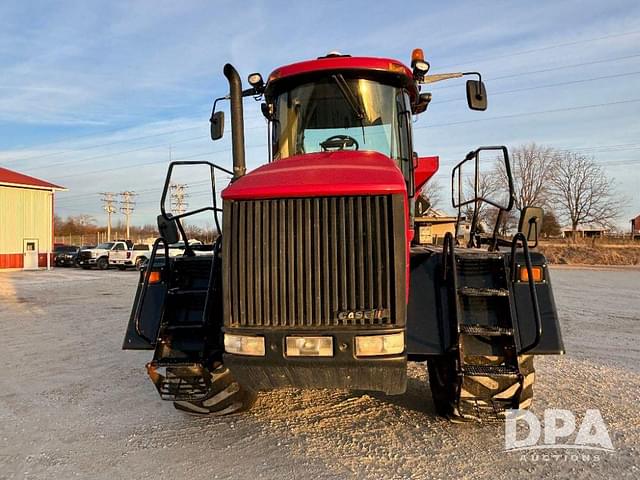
[
  {"x": 98, "y": 256},
  {"x": 316, "y": 280},
  {"x": 134, "y": 257}
]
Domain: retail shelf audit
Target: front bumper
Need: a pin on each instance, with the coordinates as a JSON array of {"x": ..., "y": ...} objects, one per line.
[
  {"x": 64, "y": 262},
  {"x": 386, "y": 374},
  {"x": 128, "y": 263},
  {"x": 87, "y": 261}
]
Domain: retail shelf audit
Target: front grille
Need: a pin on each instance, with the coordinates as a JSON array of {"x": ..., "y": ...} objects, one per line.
[
  {"x": 314, "y": 262},
  {"x": 85, "y": 255}
]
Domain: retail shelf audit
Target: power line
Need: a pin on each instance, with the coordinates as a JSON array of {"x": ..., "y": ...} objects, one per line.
[
  {"x": 549, "y": 85},
  {"x": 127, "y": 206},
  {"x": 541, "y": 49},
  {"x": 178, "y": 198},
  {"x": 221, "y": 179},
  {"x": 475, "y": 60},
  {"x": 115, "y": 142},
  {"x": 113, "y": 154},
  {"x": 525, "y": 114},
  {"x": 439, "y": 87},
  {"x": 108, "y": 201}
]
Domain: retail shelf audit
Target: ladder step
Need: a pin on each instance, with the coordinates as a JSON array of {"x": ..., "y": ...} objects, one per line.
[
  {"x": 483, "y": 292},
  {"x": 176, "y": 291},
  {"x": 485, "y": 331},
  {"x": 187, "y": 326},
  {"x": 186, "y": 381},
  {"x": 489, "y": 370}
]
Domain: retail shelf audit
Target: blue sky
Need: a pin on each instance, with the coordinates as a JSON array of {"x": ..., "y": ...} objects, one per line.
[{"x": 95, "y": 95}]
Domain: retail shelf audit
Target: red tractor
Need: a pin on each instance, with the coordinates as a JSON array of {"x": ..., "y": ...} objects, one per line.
[{"x": 316, "y": 280}]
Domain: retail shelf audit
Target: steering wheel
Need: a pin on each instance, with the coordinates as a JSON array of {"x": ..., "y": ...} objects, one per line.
[{"x": 339, "y": 142}]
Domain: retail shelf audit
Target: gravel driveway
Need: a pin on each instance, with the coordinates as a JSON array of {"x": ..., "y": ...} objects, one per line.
[{"x": 73, "y": 404}]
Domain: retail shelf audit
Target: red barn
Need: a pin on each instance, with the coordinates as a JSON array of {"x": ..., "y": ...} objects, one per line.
[{"x": 635, "y": 227}]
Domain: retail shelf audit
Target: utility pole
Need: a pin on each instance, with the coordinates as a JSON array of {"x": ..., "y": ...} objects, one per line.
[
  {"x": 127, "y": 206},
  {"x": 108, "y": 200},
  {"x": 178, "y": 196}
]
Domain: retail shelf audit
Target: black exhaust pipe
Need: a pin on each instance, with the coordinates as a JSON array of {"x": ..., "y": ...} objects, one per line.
[{"x": 237, "y": 121}]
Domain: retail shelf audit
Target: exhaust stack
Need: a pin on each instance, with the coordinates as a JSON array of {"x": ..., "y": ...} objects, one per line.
[{"x": 237, "y": 120}]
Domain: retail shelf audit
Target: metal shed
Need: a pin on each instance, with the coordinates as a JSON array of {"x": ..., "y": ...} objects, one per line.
[{"x": 26, "y": 220}]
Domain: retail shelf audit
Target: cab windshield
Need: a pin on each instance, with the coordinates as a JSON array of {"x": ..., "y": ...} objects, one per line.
[{"x": 337, "y": 113}]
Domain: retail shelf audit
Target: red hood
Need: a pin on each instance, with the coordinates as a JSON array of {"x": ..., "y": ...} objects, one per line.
[{"x": 320, "y": 174}]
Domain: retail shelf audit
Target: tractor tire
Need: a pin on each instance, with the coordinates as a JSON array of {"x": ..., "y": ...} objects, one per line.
[
  {"x": 459, "y": 404},
  {"x": 102, "y": 263},
  {"x": 226, "y": 396}
]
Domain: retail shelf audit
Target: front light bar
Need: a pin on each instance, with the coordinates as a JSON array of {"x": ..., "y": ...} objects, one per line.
[
  {"x": 244, "y": 345},
  {"x": 373, "y": 345}
]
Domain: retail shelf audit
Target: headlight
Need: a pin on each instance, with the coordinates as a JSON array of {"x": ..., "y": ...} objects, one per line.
[
  {"x": 372, "y": 345},
  {"x": 244, "y": 344},
  {"x": 309, "y": 346}
]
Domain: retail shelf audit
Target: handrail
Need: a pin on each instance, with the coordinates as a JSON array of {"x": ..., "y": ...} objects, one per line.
[
  {"x": 478, "y": 199},
  {"x": 532, "y": 286},
  {"x": 212, "y": 273},
  {"x": 145, "y": 284},
  {"x": 214, "y": 207},
  {"x": 449, "y": 256}
]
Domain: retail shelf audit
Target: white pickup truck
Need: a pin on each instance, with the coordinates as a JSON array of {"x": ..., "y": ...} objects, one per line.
[
  {"x": 134, "y": 257},
  {"x": 99, "y": 256}
]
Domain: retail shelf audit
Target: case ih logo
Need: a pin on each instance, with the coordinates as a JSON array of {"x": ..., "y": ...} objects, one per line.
[{"x": 376, "y": 314}]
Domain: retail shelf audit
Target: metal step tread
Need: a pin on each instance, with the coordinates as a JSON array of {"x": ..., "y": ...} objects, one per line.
[
  {"x": 483, "y": 292},
  {"x": 183, "y": 326},
  {"x": 488, "y": 370},
  {"x": 189, "y": 385},
  {"x": 175, "y": 362},
  {"x": 177, "y": 291},
  {"x": 485, "y": 330}
]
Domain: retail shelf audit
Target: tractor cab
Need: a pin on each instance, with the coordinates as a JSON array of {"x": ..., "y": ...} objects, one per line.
[{"x": 338, "y": 109}]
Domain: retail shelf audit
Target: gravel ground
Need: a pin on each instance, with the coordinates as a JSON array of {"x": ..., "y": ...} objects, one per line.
[{"x": 72, "y": 404}]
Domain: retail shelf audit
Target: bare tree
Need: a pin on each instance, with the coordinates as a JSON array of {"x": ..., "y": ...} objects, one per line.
[
  {"x": 582, "y": 192},
  {"x": 488, "y": 188},
  {"x": 532, "y": 167},
  {"x": 432, "y": 191}
]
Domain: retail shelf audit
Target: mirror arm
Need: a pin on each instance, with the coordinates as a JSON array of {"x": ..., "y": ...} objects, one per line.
[{"x": 215, "y": 102}]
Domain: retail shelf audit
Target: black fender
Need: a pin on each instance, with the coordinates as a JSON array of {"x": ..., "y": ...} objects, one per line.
[{"x": 427, "y": 333}]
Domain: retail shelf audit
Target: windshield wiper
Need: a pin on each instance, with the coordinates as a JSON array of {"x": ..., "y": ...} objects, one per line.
[{"x": 352, "y": 99}]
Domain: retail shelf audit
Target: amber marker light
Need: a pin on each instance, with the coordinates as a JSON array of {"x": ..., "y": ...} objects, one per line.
[
  {"x": 536, "y": 271},
  {"x": 154, "y": 277}
]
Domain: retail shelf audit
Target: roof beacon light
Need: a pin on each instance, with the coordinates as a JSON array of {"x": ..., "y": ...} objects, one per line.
[{"x": 419, "y": 65}]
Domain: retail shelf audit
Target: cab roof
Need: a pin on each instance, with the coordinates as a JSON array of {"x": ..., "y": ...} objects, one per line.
[{"x": 394, "y": 69}]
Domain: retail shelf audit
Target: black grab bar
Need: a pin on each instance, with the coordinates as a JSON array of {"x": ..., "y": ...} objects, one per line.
[
  {"x": 145, "y": 284},
  {"x": 532, "y": 285}
]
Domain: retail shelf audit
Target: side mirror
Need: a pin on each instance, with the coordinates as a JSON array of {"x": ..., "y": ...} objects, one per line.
[
  {"x": 424, "y": 169},
  {"x": 168, "y": 229},
  {"x": 530, "y": 224},
  {"x": 421, "y": 105},
  {"x": 476, "y": 95},
  {"x": 217, "y": 125}
]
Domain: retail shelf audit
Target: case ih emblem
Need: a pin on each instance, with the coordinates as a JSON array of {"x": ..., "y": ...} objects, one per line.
[{"x": 375, "y": 314}]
